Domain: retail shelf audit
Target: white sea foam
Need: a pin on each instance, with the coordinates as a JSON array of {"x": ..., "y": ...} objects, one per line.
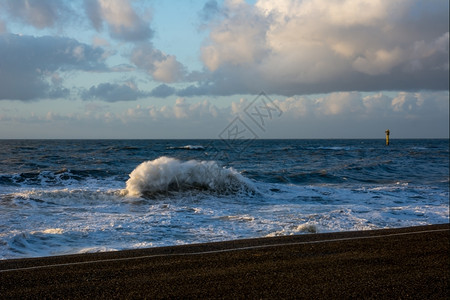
[
  {"x": 239, "y": 218},
  {"x": 49, "y": 231},
  {"x": 310, "y": 228},
  {"x": 188, "y": 147},
  {"x": 292, "y": 229},
  {"x": 167, "y": 174},
  {"x": 95, "y": 249}
]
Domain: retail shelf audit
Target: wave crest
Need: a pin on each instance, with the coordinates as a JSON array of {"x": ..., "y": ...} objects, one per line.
[{"x": 167, "y": 174}]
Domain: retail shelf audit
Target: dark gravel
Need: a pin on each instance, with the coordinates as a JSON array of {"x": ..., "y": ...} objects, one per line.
[{"x": 405, "y": 263}]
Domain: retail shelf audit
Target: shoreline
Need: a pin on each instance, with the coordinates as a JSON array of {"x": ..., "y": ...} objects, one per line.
[{"x": 411, "y": 262}]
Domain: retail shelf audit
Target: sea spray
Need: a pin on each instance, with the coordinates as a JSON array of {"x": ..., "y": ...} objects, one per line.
[{"x": 167, "y": 174}]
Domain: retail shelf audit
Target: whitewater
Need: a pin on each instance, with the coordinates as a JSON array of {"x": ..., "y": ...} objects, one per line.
[{"x": 77, "y": 196}]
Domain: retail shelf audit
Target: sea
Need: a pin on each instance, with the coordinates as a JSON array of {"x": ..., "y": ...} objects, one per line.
[{"x": 76, "y": 196}]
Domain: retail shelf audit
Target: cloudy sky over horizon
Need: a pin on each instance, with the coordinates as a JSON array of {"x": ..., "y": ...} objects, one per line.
[{"x": 192, "y": 69}]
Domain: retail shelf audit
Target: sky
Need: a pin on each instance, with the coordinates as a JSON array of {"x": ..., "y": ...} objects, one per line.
[{"x": 106, "y": 69}]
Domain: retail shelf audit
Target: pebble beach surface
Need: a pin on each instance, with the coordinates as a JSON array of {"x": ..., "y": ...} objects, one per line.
[{"x": 407, "y": 263}]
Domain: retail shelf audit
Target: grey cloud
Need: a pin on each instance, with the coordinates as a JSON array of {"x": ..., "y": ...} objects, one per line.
[
  {"x": 122, "y": 21},
  {"x": 198, "y": 90},
  {"x": 229, "y": 80},
  {"x": 92, "y": 9},
  {"x": 209, "y": 10},
  {"x": 48, "y": 53},
  {"x": 138, "y": 33},
  {"x": 162, "y": 91},
  {"x": 3, "y": 28},
  {"x": 58, "y": 92},
  {"x": 112, "y": 92},
  {"x": 231, "y": 84},
  {"x": 123, "y": 68},
  {"x": 40, "y": 14},
  {"x": 27, "y": 65}
]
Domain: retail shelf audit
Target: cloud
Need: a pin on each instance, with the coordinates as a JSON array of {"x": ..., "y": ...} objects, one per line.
[
  {"x": 209, "y": 10},
  {"x": 162, "y": 91},
  {"x": 122, "y": 21},
  {"x": 3, "y": 28},
  {"x": 160, "y": 66},
  {"x": 30, "y": 66},
  {"x": 40, "y": 14},
  {"x": 238, "y": 40},
  {"x": 203, "y": 112},
  {"x": 113, "y": 92},
  {"x": 354, "y": 105},
  {"x": 294, "y": 47},
  {"x": 407, "y": 115}
]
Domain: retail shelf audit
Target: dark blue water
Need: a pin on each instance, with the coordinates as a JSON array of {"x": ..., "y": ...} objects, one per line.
[{"x": 70, "y": 196}]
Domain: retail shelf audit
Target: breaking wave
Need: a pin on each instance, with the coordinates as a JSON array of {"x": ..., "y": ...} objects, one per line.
[{"x": 167, "y": 174}]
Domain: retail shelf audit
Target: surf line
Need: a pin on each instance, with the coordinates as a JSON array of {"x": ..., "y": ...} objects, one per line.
[{"x": 221, "y": 250}]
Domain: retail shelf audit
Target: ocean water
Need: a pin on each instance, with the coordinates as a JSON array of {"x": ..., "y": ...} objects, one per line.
[{"x": 76, "y": 196}]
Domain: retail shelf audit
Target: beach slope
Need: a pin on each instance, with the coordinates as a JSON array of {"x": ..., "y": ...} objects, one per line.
[{"x": 392, "y": 263}]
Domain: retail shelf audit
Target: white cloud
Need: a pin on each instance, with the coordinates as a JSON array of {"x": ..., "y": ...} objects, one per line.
[
  {"x": 202, "y": 112},
  {"x": 160, "y": 66},
  {"x": 293, "y": 47},
  {"x": 339, "y": 13},
  {"x": 353, "y": 105},
  {"x": 376, "y": 104},
  {"x": 378, "y": 62},
  {"x": 168, "y": 69},
  {"x": 407, "y": 102},
  {"x": 348, "y": 106},
  {"x": 241, "y": 37},
  {"x": 180, "y": 109},
  {"x": 334, "y": 115},
  {"x": 340, "y": 103}
]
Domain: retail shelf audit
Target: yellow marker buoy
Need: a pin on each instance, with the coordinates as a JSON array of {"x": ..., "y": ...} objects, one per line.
[{"x": 387, "y": 137}]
